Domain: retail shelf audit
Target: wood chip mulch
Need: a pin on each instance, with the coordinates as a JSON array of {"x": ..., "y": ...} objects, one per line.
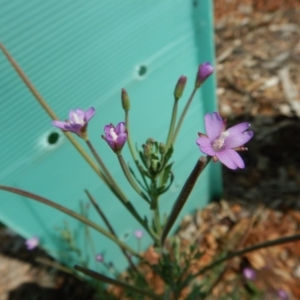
[{"x": 224, "y": 227}]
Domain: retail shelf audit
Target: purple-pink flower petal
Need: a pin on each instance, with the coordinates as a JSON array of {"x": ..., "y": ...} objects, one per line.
[
  {"x": 230, "y": 159},
  {"x": 233, "y": 141},
  {"x": 115, "y": 136},
  {"x": 99, "y": 258},
  {"x": 223, "y": 144},
  {"x": 75, "y": 118},
  {"x": 282, "y": 294},
  {"x": 77, "y": 123},
  {"x": 80, "y": 114},
  {"x": 239, "y": 128},
  {"x": 139, "y": 233},
  {"x": 32, "y": 243},
  {"x": 89, "y": 114},
  {"x": 249, "y": 273},
  {"x": 214, "y": 125},
  {"x": 204, "y": 71},
  {"x": 120, "y": 128},
  {"x": 107, "y": 129},
  {"x": 121, "y": 139},
  {"x": 205, "y": 146},
  {"x": 59, "y": 124}
]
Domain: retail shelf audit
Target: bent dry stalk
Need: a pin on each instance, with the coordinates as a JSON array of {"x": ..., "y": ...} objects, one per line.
[
  {"x": 271, "y": 243},
  {"x": 108, "y": 280},
  {"x": 111, "y": 230},
  {"x": 183, "y": 196},
  {"x": 50, "y": 112},
  {"x": 68, "y": 212}
]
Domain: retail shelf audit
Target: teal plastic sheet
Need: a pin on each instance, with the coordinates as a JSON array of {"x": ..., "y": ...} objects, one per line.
[{"x": 80, "y": 54}]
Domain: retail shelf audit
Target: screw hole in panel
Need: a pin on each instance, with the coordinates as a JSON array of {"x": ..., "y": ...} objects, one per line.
[{"x": 141, "y": 71}]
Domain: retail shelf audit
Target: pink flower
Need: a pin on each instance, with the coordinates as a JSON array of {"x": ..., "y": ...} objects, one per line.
[
  {"x": 32, "y": 243},
  {"x": 77, "y": 122},
  {"x": 115, "y": 136},
  {"x": 99, "y": 257},
  {"x": 222, "y": 144},
  {"x": 139, "y": 234},
  {"x": 249, "y": 273},
  {"x": 282, "y": 294}
]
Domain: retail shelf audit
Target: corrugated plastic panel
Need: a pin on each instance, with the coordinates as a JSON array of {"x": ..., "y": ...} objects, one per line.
[{"x": 80, "y": 54}]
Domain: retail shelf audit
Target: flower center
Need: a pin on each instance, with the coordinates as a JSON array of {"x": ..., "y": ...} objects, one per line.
[
  {"x": 113, "y": 134},
  {"x": 78, "y": 120},
  {"x": 219, "y": 142}
]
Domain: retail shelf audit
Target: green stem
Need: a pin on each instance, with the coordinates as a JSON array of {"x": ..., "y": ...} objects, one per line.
[
  {"x": 110, "y": 228},
  {"x": 116, "y": 282},
  {"x": 155, "y": 207},
  {"x": 172, "y": 124},
  {"x": 130, "y": 179},
  {"x": 68, "y": 212},
  {"x": 182, "y": 116},
  {"x": 118, "y": 191},
  {"x": 110, "y": 179},
  {"x": 157, "y": 219},
  {"x": 132, "y": 149},
  {"x": 50, "y": 112},
  {"x": 88, "y": 237},
  {"x": 58, "y": 266},
  {"x": 129, "y": 141},
  {"x": 184, "y": 194}
]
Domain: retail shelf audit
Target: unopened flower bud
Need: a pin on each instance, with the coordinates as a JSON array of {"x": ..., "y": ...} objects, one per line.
[
  {"x": 150, "y": 141},
  {"x": 125, "y": 100},
  {"x": 147, "y": 151},
  {"x": 162, "y": 148},
  {"x": 180, "y": 87},
  {"x": 154, "y": 164},
  {"x": 204, "y": 71}
]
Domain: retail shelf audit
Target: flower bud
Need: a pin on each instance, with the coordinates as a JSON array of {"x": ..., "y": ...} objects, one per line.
[
  {"x": 147, "y": 151},
  {"x": 204, "y": 71},
  {"x": 180, "y": 87},
  {"x": 162, "y": 148},
  {"x": 150, "y": 141},
  {"x": 125, "y": 100},
  {"x": 154, "y": 164}
]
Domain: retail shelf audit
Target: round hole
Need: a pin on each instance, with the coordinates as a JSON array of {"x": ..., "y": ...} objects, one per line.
[
  {"x": 142, "y": 70},
  {"x": 53, "y": 138}
]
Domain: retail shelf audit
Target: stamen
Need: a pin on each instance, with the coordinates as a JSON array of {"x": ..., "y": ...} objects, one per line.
[
  {"x": 218, "y": 143},
  {"x": 77, "y": 119},
  {"x": 113, "y": 134}
]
